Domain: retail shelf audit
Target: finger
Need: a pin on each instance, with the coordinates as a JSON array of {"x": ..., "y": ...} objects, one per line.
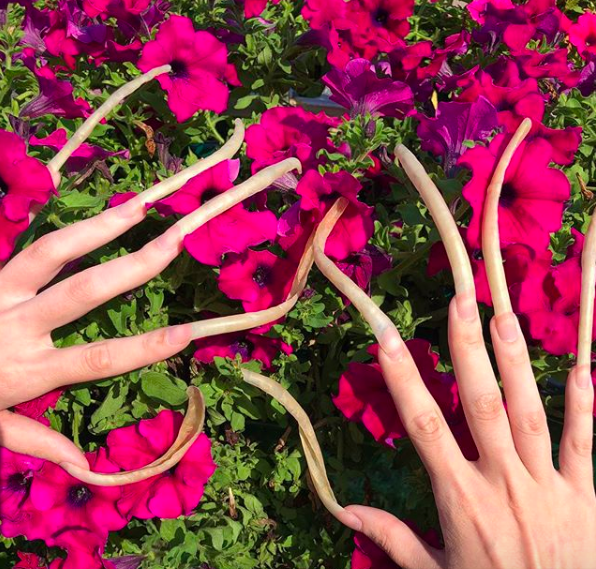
[
  {"x": 575, "y": 454},
  {"x": 38, "y": 264},
  {"x": 77, "y": 295},
  {"x": 420, "y": 414},
  {"x": 480, "y": 395},
  {"x": 578, "y": 430},
  {"x": 110, "y": 358},
  {"x": 526, "y": 414},
  {"x": 27, "y": 436},
  {"x": 396, "y": 539}
]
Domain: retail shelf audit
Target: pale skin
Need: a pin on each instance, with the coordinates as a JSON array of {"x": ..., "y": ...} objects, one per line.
[{"x": 510, "y": 509}]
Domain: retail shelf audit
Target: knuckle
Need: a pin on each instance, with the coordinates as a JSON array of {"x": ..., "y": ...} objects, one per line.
[
  {"x": 427, "y": 427},
  {"x": 531, "y": 423},
  {"x": 487, "y": 406},
  {"x": 471, "y": 337},
  {"x": 582, "y": 446},
  {"x": 97, "y": 359},
  {"x": 583, "y": 406},
  {"x": 43, "y": 249},
  {"x": 155, "y": 340}
]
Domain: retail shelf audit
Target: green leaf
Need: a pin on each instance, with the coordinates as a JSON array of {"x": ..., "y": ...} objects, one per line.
[{"x": 162, "y": 388}]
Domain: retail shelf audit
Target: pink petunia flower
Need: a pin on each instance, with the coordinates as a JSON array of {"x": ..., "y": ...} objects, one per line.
[
  {"x": 259, "y": 279},
  {"x": 233, "y": 231},
  {"x": 16, "y": 475},
  {"x": 65, "y": 503},
  {"x": 549, "y": 298},
  {"x": 253, "y": 8},
  {"x": 286, "y": 132},
  {"x": 55, "y": 98},
  {"x": 248, "y": 345},
  {"x": 368, "y": 555},
  {"x": 361, "y": 91},
  {"x": 582, "y": 35},
  {"x": 29, "y": 561},
  {"x": 36, "y": 408},
  {"x": 200, "y": 68},
  {"x": 83, "y": 157},
  {"x": 24, "y": 182},
  {"x": 363, "y": 397},
  {"x": 84, "y": 548},
  {"x": 169, "y": 495},
  {"x": 531, "y": 204},
  {"x": 354, "y": 228}
]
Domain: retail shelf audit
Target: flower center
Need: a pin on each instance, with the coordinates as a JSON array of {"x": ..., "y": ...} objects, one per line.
[
  {"x": 208, "y": 195},
  {"x": 79, "y": 495},
  {"x": 243, "y": 347},
  {"x": 179, "y": 69},
  {"x": 262, "y": 275},
  {"x": 380, "y": 16},
  {"x": 508, "y": 195},
  {"x": 3, "y": 188},
  {"x": 19, "y": 482}
]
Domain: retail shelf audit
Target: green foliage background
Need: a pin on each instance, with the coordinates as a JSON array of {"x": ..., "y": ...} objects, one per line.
[{"x": 274, "y": 520}]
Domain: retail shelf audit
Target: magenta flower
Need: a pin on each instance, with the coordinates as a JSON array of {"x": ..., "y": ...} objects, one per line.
[
  {"x": 363, "y": 397},
  {"x": 16, "y": 475},
  {"x": 531, "y": 204},
  {"x": 231, "y": 232},
  {"x": 361, "y": 91},
  {"x": 82, "y": 158},
  {"x": 363, "y": 265},
  {"x": 24, "y": 181},
  {"x": 324, "y": 14},
  {"x": 168, "y": 495},
  {"x": 36, "y": 408},
  {"x": 582, "y": 35},
  {"x": 368, "y": 555},
  {"x": 259, "y": 279},
  {"x": 200, "y": 68},
  {"x": 318, "y": 192},
  {"x": 65, "y": 503},
  {"x": 55, "y": 98},
  {"x": 454, "y": 124},
  {"x": 248, "y": 345},
  {"x": 554, "y": 64},
  {"x": 84, "y": 548},
  {"x": 513, "y": 101},
  {"x": 286, "y": 132},
  {"x": 29, "y": 561},
  {"x": 253, "y": 8},
  {"x": 550, "y": 297},
  {"x": 382, "y": 23}
]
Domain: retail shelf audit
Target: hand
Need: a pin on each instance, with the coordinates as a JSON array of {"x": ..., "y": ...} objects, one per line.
[
  {"x": 31, "y": 364},
  {"x": 511, "y": 508}
]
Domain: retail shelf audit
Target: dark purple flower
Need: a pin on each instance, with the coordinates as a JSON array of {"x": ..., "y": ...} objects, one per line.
[
  {"x": 587, "y": 79},
  {"x": 361, "y": 91},
  {"x": 55, "y": 98},
  {"x": 84, "y": 157},
  {"x": 454, "y": 124}
]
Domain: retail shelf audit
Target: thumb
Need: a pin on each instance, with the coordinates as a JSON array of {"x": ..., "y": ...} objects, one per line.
[
  {"x": 27, "y": 436},
  {"x": 396, "y": 539}
]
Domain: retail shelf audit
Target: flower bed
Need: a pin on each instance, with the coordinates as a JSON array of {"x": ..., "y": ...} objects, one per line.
[{"x": 335, "y": 84}]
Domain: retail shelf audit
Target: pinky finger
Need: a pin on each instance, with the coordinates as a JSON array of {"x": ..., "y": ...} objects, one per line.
[
  {"x": 27, "y": 436},
  {"x": 575, "y": 456},
  {"x": 396, "y": 539}
]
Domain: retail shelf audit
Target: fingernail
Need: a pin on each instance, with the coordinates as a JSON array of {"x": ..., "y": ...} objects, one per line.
[
  {"x": 351, "y": 520},
  {"x": 392, "y": 344},
  {"x": 129, "y": 209},
  {"x": 467, "y": 309},
  {"x": 583, "y": 377},
  {"x": 176, "y": 335},
  {"x": 507, "y": 327},
  {"x": 169, "y": 240}
]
